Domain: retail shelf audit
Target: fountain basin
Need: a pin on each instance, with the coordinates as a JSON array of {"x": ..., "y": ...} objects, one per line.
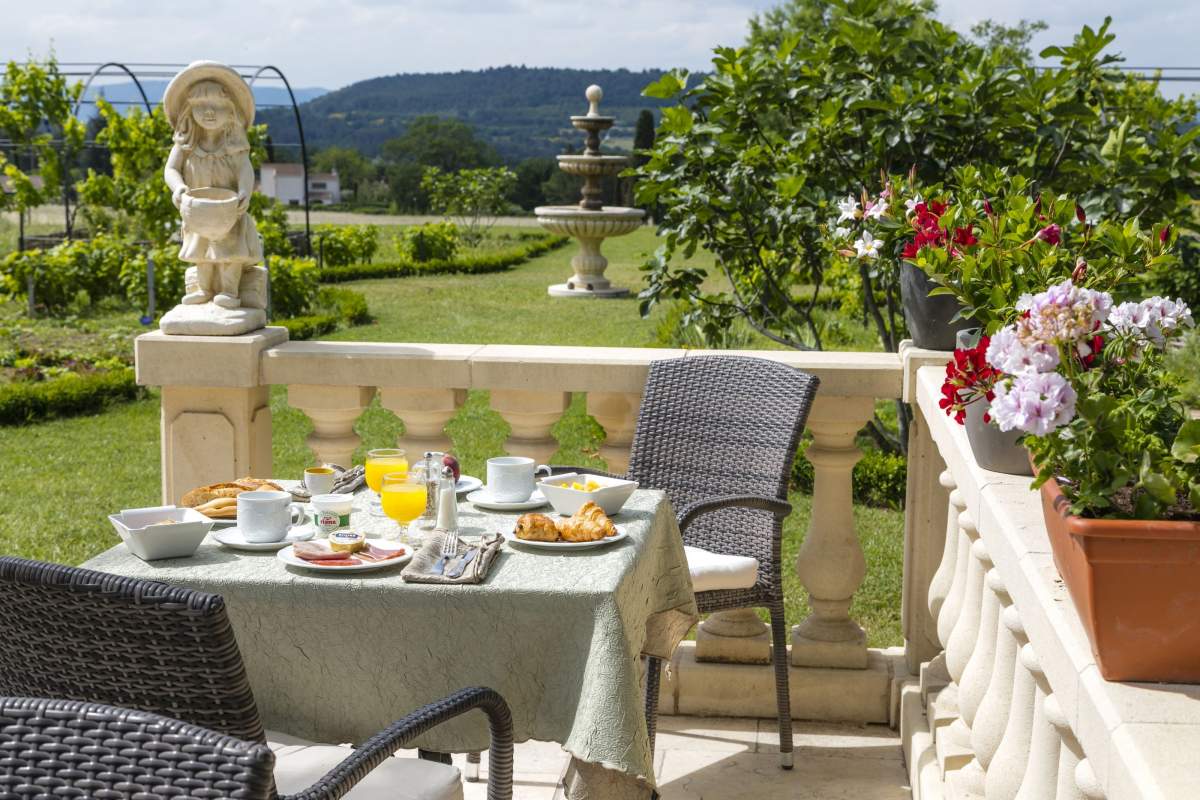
[
  {"x": 591, "y": 228},
  {"x": 592, "y": 165}
]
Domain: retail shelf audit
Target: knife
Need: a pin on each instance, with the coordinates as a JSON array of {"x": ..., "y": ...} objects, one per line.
[{"x": 466, "y": 559}]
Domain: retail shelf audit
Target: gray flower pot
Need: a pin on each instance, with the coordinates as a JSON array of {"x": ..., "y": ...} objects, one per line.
[
  {"x": 993, "y": 448},
  {"x": 929, "y": 318}
]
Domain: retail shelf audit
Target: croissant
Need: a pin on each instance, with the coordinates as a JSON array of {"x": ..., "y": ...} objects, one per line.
[
  {"x": 589, "y": 524},
  {"x": 536, "y": 528}
]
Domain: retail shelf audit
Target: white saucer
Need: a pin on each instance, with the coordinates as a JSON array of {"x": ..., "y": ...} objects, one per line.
[
  {"x": 232, "y": 537},
  {"x": 482, "y": 499},
  {"x": 467, "y": 483}
]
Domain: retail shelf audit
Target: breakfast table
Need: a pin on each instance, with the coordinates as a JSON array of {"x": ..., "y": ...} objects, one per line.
[{"x": 336, "y": 658}]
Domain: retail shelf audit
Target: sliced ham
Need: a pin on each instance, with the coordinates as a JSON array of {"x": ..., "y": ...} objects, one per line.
[
  {"x": 372, "y": 553},
  {"x": 314, "y": 551}
]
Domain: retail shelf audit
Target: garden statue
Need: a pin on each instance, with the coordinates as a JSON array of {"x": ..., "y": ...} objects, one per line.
[{"x": 210, "y": 109}]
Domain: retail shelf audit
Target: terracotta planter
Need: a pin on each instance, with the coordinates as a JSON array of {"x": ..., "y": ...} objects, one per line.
[
  {"x": 1136, "y": 586},
  {"x": 929, "y": 318},
  {"x": 993, "y": 448}
]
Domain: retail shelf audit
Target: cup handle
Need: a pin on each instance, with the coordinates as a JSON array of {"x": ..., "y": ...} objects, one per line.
[
  {"x": 538, "y": 470},
  {"x": 297, "y": 514}
]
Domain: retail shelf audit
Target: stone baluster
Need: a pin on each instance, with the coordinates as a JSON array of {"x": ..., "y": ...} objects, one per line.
[
  {"x": 425, "y": 413},
  {"x": 736, "y": 636},
  {"x": 945, "y": 706},
  {"x": 949, "y": 615},
  {"x": 991, "y": 717},
  {"x": 1086, "y": 781},
  {"x": 531, "y": 414},
  {"x": 1008, "y": 766},
  {"x": 1041, "y": 771},
  {"x": 978, "y": 674},
  {"x": 830, "y": 563},
  {"x": 1069, "y": 755},
  {"x": 939, "y": 587},
  {"x": 617, "y": 413},
  {"x": 333, "y": 411},
  {"x": 966, "y": 627}
]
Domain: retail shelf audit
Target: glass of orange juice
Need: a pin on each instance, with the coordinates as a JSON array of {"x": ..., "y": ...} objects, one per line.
[
  {"x": 403, "y": 499},
  {"x": 380, "y": 463}
]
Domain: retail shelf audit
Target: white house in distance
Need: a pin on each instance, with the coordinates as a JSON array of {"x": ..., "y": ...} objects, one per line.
[{"x": 285, "y": 183}]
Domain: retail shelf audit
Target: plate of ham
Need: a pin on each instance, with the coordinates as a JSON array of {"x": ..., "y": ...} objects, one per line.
[{"x": 320, "y": 557}]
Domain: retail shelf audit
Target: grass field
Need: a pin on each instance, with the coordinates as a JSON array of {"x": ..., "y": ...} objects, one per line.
[{"x": 63, "y": 477}]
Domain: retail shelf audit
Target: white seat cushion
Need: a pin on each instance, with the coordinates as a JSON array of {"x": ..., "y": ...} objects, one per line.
[
  {"x": 299, "y": 764},
  {"x": 712, "y": 571}
]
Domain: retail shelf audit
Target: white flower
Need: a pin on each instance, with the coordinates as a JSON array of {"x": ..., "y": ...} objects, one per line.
[
  {"x": 867, "y": 246},
  {"x": 841, "y": 231},
  {"x": 911, "y": 204},
  {"x": 1007, "y": 353},
  {"x": 1063, "y": 314},
  {"x": 876, "y": 210},
  {"x": 1035, "y": 402},
  {"x": 1155, "y": 318},
  {"x": 848, "y": 208}
]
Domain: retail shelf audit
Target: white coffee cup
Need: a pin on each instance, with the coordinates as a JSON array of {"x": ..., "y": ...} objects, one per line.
[
  {"x": 319, "y": 480},
  {"x": 266, "y": 516},
  {"x": 510, "y": 478}
]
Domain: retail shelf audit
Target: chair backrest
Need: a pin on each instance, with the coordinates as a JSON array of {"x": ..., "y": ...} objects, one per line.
[
  {"x": 77, "y": 634},
  {"x": 68, "y": 748},
  {"x": 720, "y": 425}
]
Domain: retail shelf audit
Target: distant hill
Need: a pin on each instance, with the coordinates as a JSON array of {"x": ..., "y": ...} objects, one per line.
[
  {"x": 522, "y": 111},
  {"x": 125, "y": 95}
]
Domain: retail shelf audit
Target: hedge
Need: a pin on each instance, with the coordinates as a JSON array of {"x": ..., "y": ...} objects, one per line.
[
  {"x": 880, "y": 479},
  {"x": 32, "y": 401},
  {"x": 309, "y": 326},
  {"x": 465, "y": 264}
]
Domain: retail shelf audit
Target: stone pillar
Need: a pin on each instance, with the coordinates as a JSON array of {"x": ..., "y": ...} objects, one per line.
[
  {"x": 1069, "y": 754},
  {"x": 943, "y": 579},
  {"x": 830, "y": 563},
  {"x": 978, "y": 674},
  {"x": 617, "y": 413},
  {"x": 736, "y": 636},
  {"x": 333, "y": 411},
  {"x": 531, "y": 415},
  {"x": 425, "y": 413},
  {"x": 1041, "y": 772},
  {"x": 948, "y": 616},
  {"x": 924, "y": 542},
  {"x": 992, "y": 715},
  {"x": 966, "y": 627},
  {"x": 1008, "y": 766},
  {"x": 216, "y": 417}
]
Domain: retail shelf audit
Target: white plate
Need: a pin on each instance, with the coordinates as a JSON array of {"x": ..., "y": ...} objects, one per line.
[
  {"x": 232, "y": 537},
  {"x": 607, "y": 540},
  {"x": 482, "y": 499},
  {"x": 467, "y": 483},
  {"x": 292, "y": 560}
]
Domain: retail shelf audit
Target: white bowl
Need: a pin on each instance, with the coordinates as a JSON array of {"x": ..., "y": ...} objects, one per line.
[
  {"x": 611, "y": 495},
  {"x": 161, "y": 532}
]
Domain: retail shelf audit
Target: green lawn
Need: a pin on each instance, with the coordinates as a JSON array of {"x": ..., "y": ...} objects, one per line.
[{"x": 63, "y": 477}]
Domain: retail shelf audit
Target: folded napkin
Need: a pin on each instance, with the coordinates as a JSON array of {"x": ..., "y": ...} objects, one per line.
[{"x": 424, "y": 568}]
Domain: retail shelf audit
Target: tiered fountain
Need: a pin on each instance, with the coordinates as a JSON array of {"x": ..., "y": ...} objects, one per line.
[{"x": 591, "y": 222}]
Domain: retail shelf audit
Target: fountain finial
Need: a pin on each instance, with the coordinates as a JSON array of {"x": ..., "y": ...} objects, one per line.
[{"x": 594, "y": 95}]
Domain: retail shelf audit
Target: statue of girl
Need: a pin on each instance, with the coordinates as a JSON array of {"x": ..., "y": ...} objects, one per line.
[{"x": 210, "y": 109}]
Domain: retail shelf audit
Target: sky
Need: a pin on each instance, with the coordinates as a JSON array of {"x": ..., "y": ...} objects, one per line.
[{"x": 331, "y": 43}]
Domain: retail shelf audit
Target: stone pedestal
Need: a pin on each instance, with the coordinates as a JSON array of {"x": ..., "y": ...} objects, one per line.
[
  {"x": 208, "y": 319},
  {"x": 333, "y": 411},
  {"x": 736, "y": 636},
  {"x": 531, "y": 415},
  {"x": 617, "y": 413}
]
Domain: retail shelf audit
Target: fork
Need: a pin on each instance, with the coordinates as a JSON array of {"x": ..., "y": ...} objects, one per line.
[{"x": 450, "y": 545}]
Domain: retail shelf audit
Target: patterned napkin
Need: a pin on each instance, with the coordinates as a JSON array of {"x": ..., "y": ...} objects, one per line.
[{"x": 424, "y": 566}]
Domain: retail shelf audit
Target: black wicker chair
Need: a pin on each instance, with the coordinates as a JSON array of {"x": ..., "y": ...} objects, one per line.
[
  {"x": 718, "y": 434},
  {"x": 67, "y": 748},
  {"x": 76, "y": 634}
]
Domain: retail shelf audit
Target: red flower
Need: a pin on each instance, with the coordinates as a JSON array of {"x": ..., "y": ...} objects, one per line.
[
  {"x": 1079, "y": 214},
  {"x": 1051, "y": 234},
  {"x": 969, "y": 378},
  {"x": 937, "y": 208},
  {"x": 910, "y": 250},
  {"x": 987, "y": 208},
  {"x": 1164, "y": 234},
  {"x": 965, "y": 237}
]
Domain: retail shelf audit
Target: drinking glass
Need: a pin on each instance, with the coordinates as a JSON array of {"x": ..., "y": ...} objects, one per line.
[
  {"x": 379, "y": 463},
  {"x": 403, "y": 499}
]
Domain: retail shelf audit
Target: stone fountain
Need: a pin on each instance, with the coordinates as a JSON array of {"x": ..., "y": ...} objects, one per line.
[{"x": 591, "y": 222}]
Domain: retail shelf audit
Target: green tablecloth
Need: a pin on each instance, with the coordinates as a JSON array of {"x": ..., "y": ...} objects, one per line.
[{"x": 335, "y": 658}]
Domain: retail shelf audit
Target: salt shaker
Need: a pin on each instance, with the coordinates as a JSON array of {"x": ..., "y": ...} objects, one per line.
[{"x": 447, "y": 510}]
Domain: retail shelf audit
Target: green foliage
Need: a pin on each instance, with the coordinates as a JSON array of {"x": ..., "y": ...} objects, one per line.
[
  {"x": 352, "y": 167},
  {"x": 433, "y": 241},
  {"x": 63, "y": 271},
  {"x": 1184, "y": 364},
  {"x": 347, "y": 305},
  {"x": 474, "y": 197},
  {"x": 340, "y": 245},
  {"x": 474, "y": 263},
  {"x": 293, "y": 286},
  {"x": 36, "y": 116},
  {"x": 308, "y": 326},
  {"x": 23, "y": 402},
  {"x": 826, "y": 94},
  {"x": 169, "y": 273},
  {"x": 880, "y": 479},
  {"x": 270, "y": 217}
]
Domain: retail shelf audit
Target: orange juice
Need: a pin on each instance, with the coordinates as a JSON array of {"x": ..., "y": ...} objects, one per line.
[
  {"x": 403, "y": 502},
  {"x": 378, "y": 466}
]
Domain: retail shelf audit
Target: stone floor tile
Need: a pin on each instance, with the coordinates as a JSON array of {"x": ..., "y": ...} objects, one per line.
[
  {"x": 709, "y": 775},
  {"x": 727, "y": 734},
  {"x": 839, "y": 739}
]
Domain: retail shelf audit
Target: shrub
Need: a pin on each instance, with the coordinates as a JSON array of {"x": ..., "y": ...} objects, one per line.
[
  {"x": 271, "y": 220},
  {"x": 293, "y": 286},
  {"x": 168, "y": 276},
  {"x": 880, "y": 478},
  {"x": 308, "y": 327},
  {"x": 469, "y": 264},
  {"x": 62, "y": 271},
  {"x": 339, "y": 245},
  {"x": 475, "y": 197},
  {"x": 70, "y": 394},
  {"x": 346, "y": 304},
  {"x": 433, "y": 241}
]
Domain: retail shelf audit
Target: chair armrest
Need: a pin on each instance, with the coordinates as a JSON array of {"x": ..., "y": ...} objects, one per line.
[
  {"x": 373, "y": 752},
  {"x": 558, "y": 469},
  {"x": 779, "y": 508}
]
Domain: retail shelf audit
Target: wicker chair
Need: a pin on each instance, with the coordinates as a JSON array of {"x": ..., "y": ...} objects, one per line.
[
  {"x": 76, "y": 634},
  {"x": 67, "y": 748},
  {"x": 718, "y": 434}
]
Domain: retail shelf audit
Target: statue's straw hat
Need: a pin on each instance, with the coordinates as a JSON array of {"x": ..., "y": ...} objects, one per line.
[{"x": 175, "y": 98}]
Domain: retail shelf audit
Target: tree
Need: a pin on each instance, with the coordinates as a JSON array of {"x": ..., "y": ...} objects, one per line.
[
  {"x": 532, "y": 173},
  {"x": 446, "y": 143},
  {"x": 1014, "y": 40},
  {"x": 352, "y": 167},
  {"x": 643, "y": 137},
  {"x": 473, "y": 197},
  {"x": 37, "y": 117}
]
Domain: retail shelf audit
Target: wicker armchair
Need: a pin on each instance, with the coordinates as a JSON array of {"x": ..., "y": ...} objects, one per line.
[
  {"x": 77, "y": 634},
  {"x": 68, "y": 748},
  {"x": 718, "y": 434}
]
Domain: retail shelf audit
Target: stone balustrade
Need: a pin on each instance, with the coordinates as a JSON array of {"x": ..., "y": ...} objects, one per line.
[{"x": 1007, "y": 702}]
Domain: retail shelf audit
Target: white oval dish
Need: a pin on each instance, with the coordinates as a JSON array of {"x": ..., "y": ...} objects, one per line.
[
  {"x": 482, "y": 499},
  {"x": 292, "y": 560},
  {"x": 607, "y": 540}
]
